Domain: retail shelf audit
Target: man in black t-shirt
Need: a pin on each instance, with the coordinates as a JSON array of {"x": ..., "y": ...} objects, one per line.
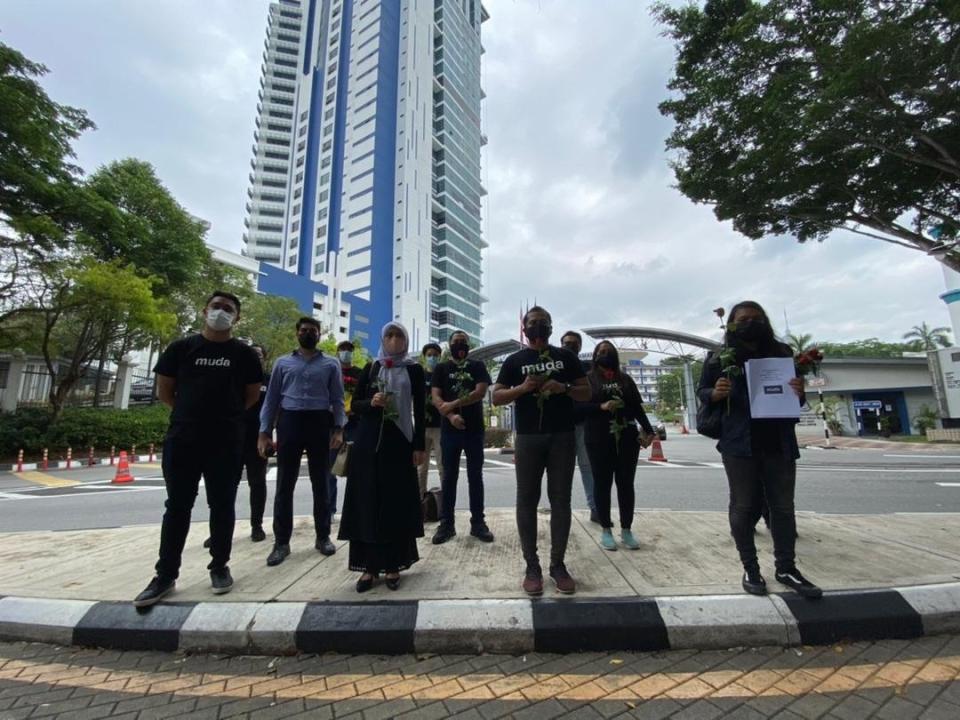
[
  {"x": 431, "y": 438},
  {"x": 459, "y": 386},
  {"x": 543, "y": 381},
  {"x": 209, "y": 379}
]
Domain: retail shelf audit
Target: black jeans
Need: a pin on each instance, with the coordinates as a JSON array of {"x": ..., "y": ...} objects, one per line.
[
  {"x": 611, "y": 464},
  {"x": 452, "y": 443},
  {"x": 750, "y": 478},
  {"x": 300, "y": 430},
  {"x": 184, "y": 461},
  {"x": 256, "y": 467},
  {"x": 557, "y": 454}
]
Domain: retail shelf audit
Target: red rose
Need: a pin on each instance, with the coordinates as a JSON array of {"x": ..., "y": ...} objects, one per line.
[
  {"x": 388, "y": 363},
  {"x": 609, "y": 374}
]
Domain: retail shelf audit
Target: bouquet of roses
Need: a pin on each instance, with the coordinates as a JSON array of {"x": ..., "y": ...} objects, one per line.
[
  {"x": 617, "y": 424},
  {"x": 462, "y": 381},
  {"x": 729, "y": 366},
  {"x": 349, "y": 386},
  {"x": 808, "y": 362},
  {"x": 543, "y": 395},
  {"x": 389, "y": 410}
]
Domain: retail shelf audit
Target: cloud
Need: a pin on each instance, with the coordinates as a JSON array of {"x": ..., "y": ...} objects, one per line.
[{"x": 581, "y": 212}]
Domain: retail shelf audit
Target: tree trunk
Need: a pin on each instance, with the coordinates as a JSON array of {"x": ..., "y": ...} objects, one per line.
[{"x": 96, "y": 385}]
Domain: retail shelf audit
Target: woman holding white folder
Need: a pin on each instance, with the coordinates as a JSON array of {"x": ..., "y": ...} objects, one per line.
[{"x": 759, "y": 455}]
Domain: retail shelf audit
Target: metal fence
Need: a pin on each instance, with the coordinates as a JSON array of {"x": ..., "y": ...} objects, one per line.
[
  {"x": 35, "y": 391},
  {"x": 143, "y": 389}
]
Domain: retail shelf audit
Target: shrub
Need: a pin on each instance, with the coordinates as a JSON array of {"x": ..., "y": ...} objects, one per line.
[
  {"x": 496, "y": 437},
  {"x": 30, "y": 429}
]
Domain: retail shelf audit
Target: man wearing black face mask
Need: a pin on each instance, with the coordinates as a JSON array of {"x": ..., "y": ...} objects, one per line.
[
  {"x": 573, "y": 342},
  {"x": 306, "y": 388},
  {"x": 543, "y": 381},
  {"x": 459, "y": 386}
]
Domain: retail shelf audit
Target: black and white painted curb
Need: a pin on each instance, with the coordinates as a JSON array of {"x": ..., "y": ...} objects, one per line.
[
  {"x": 78, "y": 463},
  {"x": 488, "y": 626}
]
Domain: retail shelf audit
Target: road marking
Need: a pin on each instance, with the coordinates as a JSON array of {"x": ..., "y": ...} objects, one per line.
[
  {"x": 948, "y": 484},
  {"x": 39, "y": 478},
  {"x": 902, "y": 471},
  {"x": 927, "y": 455},
  {"x": 499, "y": 462}
]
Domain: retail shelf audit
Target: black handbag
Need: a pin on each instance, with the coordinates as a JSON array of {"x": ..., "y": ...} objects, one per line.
[{"x": 710, "y": 419}]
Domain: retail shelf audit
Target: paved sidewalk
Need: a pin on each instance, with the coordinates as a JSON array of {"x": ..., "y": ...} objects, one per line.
[
  {"x": 888, "y": 680},
  {"x": 891, "y": 576},
  {"x": 682, "y": 553}
]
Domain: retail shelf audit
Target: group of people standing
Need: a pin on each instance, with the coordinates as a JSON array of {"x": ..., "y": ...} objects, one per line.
[{"x": 395, "y": 412}]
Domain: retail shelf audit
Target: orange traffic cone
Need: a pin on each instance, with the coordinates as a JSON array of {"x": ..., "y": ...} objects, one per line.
[
  {"x": 123, "y": 470},
  {"x": 656, "y": 452}
]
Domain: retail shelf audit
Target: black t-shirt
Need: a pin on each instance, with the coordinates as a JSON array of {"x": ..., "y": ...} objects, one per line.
[
  {"x": 557, "y": 410},
  {"x": 211, "y": 383},
  {"x": 456, "y": 381},
  {"x": 432, "y": 414}
]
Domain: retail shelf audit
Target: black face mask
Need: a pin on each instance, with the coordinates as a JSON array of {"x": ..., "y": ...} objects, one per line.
[
  {"x": 459, "y": 350},
  {"x": 571, "y": 347},
  {"x": 607, "y": 361},
  {"x": 308, "y": 342},
  {"x": 751, "y": 331},
  {"x": 538, "y": 330}
]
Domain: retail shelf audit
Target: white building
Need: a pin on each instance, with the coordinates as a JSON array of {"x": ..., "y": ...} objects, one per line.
[{"x": 365, "y": 195}]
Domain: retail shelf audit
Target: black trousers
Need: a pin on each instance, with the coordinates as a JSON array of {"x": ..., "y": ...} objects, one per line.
[
  {"x": 256, "y": 467},
  {"x": 184, "y": 461},
  {"x": 750, "y": 479},
  {"x": 299, "y": 431},
  {"x": 556, "y": 454},
  {"x": 610, "y": 464}
]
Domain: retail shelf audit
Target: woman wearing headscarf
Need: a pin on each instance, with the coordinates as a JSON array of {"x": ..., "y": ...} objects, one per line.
[
  {"x": 613, "y": 440},
  {"x": 759, "y": 455},
  {"x": 381, "y": 507}
]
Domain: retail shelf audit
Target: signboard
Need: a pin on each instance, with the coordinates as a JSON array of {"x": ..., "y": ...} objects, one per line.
[
  {"x": 867, "y": 404},
  {"x": 945, "y": 369}
]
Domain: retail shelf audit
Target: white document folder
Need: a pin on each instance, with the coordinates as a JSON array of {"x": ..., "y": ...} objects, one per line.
[{"x": 768, "y": 388}]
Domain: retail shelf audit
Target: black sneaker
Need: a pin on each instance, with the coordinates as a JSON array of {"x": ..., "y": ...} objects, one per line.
[
  {"x": 753, "y": 582},
  {"x": 278, "y": 555},
  {"x": 158, "y": 589},
  {"x": 206, "y": 543},
  {"x": 482, "y": 533},
  {"x": 221, "y": 580},
  {"x": 797, "y": 582},
  {"x": 444, "y": 532},
  {"x": 325, "y": 546},
  {"x": 257, "y": 534}
]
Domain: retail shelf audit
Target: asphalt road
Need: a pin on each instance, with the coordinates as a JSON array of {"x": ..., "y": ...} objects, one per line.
[{"x": 829, "y": 481}]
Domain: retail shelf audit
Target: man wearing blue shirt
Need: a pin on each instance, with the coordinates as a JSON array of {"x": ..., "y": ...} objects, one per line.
[{"x": 307, "y": 390}]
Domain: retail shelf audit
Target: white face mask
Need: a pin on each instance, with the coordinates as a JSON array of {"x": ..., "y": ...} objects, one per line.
[
  {"x": 219, "y": 320},
  {"x": 346, "y": 356}
]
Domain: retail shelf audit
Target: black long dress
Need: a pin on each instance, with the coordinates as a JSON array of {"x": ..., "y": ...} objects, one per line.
[{"x": 381, "y": 506}]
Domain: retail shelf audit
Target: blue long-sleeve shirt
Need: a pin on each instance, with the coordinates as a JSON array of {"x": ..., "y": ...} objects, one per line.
[{"x": 301, "y": 383}]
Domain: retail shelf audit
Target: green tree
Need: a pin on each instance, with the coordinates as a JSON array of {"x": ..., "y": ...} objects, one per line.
[
  {"x": 91, "y": 305},
  {"x": 42, "y": 201},
  {"x": 928, "y": 338},
  {"x": 800, "y": 343},
  {"x": 270, "y": 320},
  {"x": 871, "y": 347},
  {"x": 669, "y": 396},
  {"x": 803, "y": 117}
]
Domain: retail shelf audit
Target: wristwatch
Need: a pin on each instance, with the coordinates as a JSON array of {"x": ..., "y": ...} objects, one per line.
[{"x": 568, "y": 386}]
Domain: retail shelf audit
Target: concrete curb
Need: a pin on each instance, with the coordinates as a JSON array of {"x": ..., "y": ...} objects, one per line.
[{"x": 489, "y": 626}]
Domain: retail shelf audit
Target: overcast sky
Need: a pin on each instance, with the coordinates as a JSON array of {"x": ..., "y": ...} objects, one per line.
[{"x": 581, "y": 215}]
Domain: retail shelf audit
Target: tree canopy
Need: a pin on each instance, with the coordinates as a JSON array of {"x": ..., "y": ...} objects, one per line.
[{"x": 802, "y": 117}]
